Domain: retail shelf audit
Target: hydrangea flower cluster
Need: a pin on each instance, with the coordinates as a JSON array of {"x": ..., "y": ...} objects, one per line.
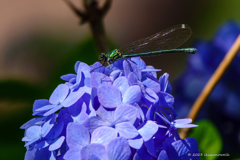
[
  {"x": 222, "y": 107},
  {"x": 94, "y": 115}
]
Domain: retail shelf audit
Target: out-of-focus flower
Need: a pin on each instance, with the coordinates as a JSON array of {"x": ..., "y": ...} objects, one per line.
[
  {"x": 222, "y": 107},
  {"x": 126, "y": 114}
]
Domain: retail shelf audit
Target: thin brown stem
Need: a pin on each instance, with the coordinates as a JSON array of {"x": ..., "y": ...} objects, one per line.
[
  {"x": 75, "y": 10},
  {"x": 99, "y": 36},
  {"x": 106, "y": 6},
  {"x": 211, "y": 84},
  {"x": 94, "y": 15},
  {"x": 95, "y": 18}
]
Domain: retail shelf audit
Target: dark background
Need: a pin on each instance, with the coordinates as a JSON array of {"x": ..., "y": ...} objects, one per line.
[{"x": 42, "y": 40}]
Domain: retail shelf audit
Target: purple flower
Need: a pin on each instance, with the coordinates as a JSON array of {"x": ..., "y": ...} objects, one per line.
[
  {"x": 101, "y": 145},
  {"x": 56, "y": 99},
  {"x": 126, "y": 114},
  {"x": 186, "y": 149},
  {"x": 222, "y": 106}
]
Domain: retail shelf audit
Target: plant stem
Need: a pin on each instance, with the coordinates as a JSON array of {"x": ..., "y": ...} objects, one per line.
[
  {"x": 99, "y": 36},
  {"x": 212, "y": 83},
  {"x": 94, "y": 15}
]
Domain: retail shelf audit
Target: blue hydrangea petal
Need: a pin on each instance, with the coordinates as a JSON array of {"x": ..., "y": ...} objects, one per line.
[
  {"x": 82, "y": 116},
  {"x": 165, "y": 99},
  {"x": 53, "y": 156},
  {"x": 151, "y": 69},
  {"x": 59, "y": 94},
  {"x": 106, "y": 115},
  {"x": 92, "y": 157},
  {"x": 68, "y": 77},
  {"x": 47, "y": 107},
  {"x": 118, "y": 64},
  {"x": 118, "y": 149},
  {"x": 134, "y": 68},
  {"x": 77, "y": 135},
  {"x": 132, "y": 95},
  {"x": 37, "y": 120},
  {"x": 94, "y": 152},
  {"x": 136, "y": 143},
  {"x": 30, "y": 154},
  {"x": 141, "y": 64},
  {"x": 72, "y": 82},
  {"x": 94, "y": 122},
  {"x": 52, "y": 110},
  {"x": 46, "y": 128},
  {"x": 75, "y": 96},
  {"x": 153, "y": 73},
  {"x": 87, "y": 82},
  {"x": 142, "y": 154},
  {"x": 33, "y": 132},
  {"x": 108, "y": 69},
  {"x": 150, "y": 97},
  {"x": 185, "y": 125},
  {"x": 148, "y": 130},
  {"x": 115, "y": 74},
  {"x": 152, "y": 84},
  {"x": 38, "y": 104},
  {"x": 109, "y": 96},
  {"x": 181, "y": 148},
  {"x": 58, "y": 129},
  {"x": 94, "y": 98},
  {"x": 132, "y": 79},
  {"x": 99, "y": 78},
  {"x": 65, "y": 118},
  {"x": 125, "y": 113},
  {"x": 43, "y": 144},
  {"x": 163, "y": 80},
  {"x": 183, "y": 121},
  {"x": 85, "y": 69},
  {"x": 151, "y": 147},
  {"x": 57, "y": 143},
  {"x": 163, "y": 117},
  {"x": 151, "y": 111},
  {"x": 43, "y": 153},
  {"x": 122, "y": 84},
  {"x": 97, "y": 65},
  {"x": 75, "y": 109},
  {"x": 76, "y": 66},
  {"x": 226, "y": 35},
  {"x": 126, "y": 130},
  {"x": 163, "y": 155},
  {"x": 165, "y": 85},
  {"x": 31, "y": 142},
  {"x": 72, "y": 154},
  {"x": 103, "y": 135},
  {"x": 140, "y": 114},
  {"x": 79, "y": 80}
]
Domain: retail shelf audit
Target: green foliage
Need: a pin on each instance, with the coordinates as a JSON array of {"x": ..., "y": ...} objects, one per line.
[
  {"x": 209, "y": 139},
  {"x": 17, "y": 90}
]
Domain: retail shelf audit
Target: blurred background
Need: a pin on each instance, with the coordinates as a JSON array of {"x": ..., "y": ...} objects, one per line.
[{"x": 42, "y": 40}]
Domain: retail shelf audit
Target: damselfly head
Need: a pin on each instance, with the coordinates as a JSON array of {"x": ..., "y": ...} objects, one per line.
[{"x": 102, "y": 57}]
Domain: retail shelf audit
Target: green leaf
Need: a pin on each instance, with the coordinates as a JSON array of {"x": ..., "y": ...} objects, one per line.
[{"x": 209, "y": 139}]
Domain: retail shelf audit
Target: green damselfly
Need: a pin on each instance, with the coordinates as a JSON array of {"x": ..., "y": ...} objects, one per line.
[{"x": 162, "y": 42}]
